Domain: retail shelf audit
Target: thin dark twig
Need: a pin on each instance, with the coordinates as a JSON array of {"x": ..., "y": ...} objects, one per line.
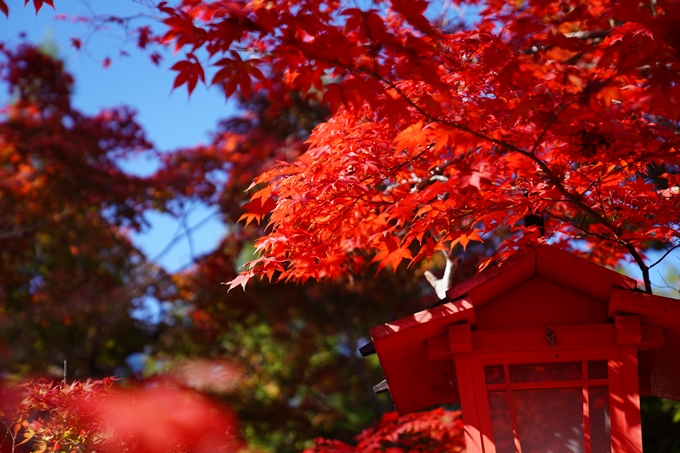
[
  {"x": 169, "y": 246},
  {"x": 668, "y": 252}
]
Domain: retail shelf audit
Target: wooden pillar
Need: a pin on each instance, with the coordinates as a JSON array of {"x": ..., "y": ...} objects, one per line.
[
  {"x": 475, "y": 411},
  {"x": 629, "y": 336},
  {"x": 468, "y": 404}
]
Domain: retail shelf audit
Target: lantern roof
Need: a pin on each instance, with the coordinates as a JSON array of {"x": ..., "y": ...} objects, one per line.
[{"x": 546, "y": 287}]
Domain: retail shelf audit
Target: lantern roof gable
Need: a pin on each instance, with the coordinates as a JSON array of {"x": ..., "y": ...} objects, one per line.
[{"x": 549, "y": 263}]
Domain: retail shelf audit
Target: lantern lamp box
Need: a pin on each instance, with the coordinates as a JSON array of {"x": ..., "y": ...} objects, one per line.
[{"x": 549, "y": 354}]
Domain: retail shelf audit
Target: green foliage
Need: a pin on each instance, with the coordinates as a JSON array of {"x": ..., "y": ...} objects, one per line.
[
  {"x": 297, "y": 344},
  {"x": 660, "y": 425}
]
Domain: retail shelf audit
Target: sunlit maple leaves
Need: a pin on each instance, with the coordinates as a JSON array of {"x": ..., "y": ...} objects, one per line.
[
  {"x": 450, "y": 135},
  {"x": 447, "y": 133}
]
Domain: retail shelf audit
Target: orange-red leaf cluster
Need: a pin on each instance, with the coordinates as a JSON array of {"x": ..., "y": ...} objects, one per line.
[{"x": 442, "y": 134}]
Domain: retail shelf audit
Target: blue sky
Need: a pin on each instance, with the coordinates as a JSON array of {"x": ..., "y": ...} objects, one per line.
[{"x": 171, "y": 119}]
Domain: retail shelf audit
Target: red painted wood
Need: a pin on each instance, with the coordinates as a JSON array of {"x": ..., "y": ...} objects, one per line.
[
  {"x": 545, "y": 384},
  {"x": 416, "y": 382},
  {"x": 452, "y": 312},
  {"x": 535, "y": 338},
  {"x": 653, "y": 337},
  {"x": 617, "y": 411},
  {"x": 513, "y": 413},
  {"x": 629, "y": 334},
  {"x": 483, "y": 411},
  {"x": 661, "y": 311},
  {"x": 501, "y": 318},
  {"x": 531, "y": 340},
  {"x": 586, "y": 406},
  {"x": 659, "y": 370},
  {"x": 448, "y": 390},
  {"x": 480, "y": 359},
  {"x": 567, "y": 337},
  {"x": 493, "y": 282},
  {"x": 468, "y": 405},
  {"x": 438, "y": 348},
  {"x": 460, "y": 338},
  {"x": 600, "y": 343},
  {"x": 628, "y": 330},
  {"x": 629, "y": 374},
  {"x": 551, "y": 264},
  {"x": 540, "y": 303},
  {"x": 580, "y": 276}
]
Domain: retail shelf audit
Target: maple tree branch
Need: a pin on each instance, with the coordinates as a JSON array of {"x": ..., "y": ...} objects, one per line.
[
  {"x": 426, "y": 182},
  {"x": 451, "y": 124},
  {"x": 599, "y": 196},
  {"x": 177, "y": 237},
  {"x": 7, "y": 433},
  {"x": 663, "y": 257},
  {"x": 594, "y": 214},
  {"x": 391, "y": 172},
  {"x": 585, "y": 35},
  {"x": 546, "y": 170},
  {"x": 17, "y": 231},
  {"x": 101, "y": 21},
  {"x": 582, "y": 35},
  {"x": 441, "y": 285},
  {"x": 643, "y": 267},
  {"x": 190, "y": 239},
  {"x": 668, "y": 286},
  {"x": 582, "y": 228},
  {"x": 575, "y": 200},
  {"x": 550, "y": 122},
  {"x": 436, "y": 174}
]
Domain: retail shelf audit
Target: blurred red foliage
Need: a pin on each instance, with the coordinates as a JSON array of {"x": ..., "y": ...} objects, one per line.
[
  {"x": 435, "y": 431},
  {"x": 158, "y": 416}
]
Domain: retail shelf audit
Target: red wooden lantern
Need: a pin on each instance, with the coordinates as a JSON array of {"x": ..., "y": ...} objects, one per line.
[{"x": 548, "y": 354}]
